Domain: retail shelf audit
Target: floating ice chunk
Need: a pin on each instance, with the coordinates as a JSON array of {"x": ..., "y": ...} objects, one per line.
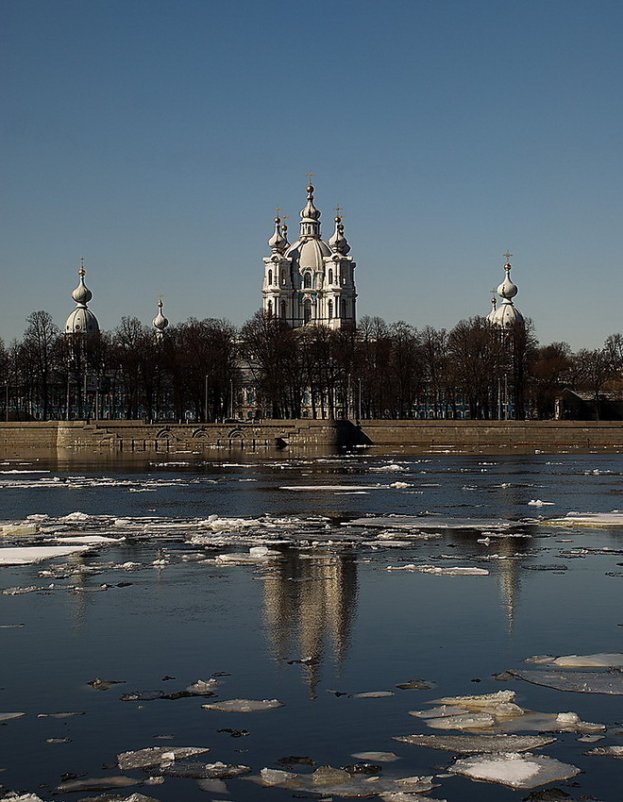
[
  {"x": 400, "y": 485},
  {"x": 537, "y": 502},
  {"x": 600, "y": 660},
  {"x": 10, "y": 716},
  {"x": 483, "y": 701},
  {"x": 608, "y": 682},
  {"x": 96, "y": 784},
  {"x": 416, "y": 684},
  {"x": 466, "y": 744},
  {"x": 20, "y": 591},
  {"x": 596, "y": 519},
  {"x": 277, "y": 777},
  {"x": 330, "y": 781},
  {"x": 26, "y": 555},
  {"x": 432, "y": 522},
  {"x": 438, "y": 712},
  {"x": 610, "y": 751},
  {"x": 243, "y": 705},
  {"x": 18, "y": 530},
  {"x": 154, "y": 756},
  {"x": 514, "y": 770},
  {"x": 75, "y": 516},
  {"x": 377, "y": 757},
  {"x": 440, "y": 571},
  {"x": 91, "y": 540},
  {"x": 203, "y": 687},
  {"x": 373, "y": 695},
  {"x": 100, "y": 684},
  {"x": 203, "y": 771},
  {"x": 328, "y": 488},
  {"x": 13, "y": 797},
  {"x": 256, "y": 554},
  {"x": 463, "y": 721},
  {"x": 392, "y": 466}
]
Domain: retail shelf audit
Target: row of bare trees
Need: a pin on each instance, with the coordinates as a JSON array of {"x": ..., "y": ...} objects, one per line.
[{"x": 209, "y": 370}]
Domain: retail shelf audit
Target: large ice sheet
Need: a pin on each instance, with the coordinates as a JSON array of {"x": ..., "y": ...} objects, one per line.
[
  {"x": 590, "y": 519},
  {"x": 468, "y": 744},
  {"x": 26, "y": 555},
  {"x": 600, "y": 660},
  {"x": 514, "y": 770},
  {"x": 607, "y": 682}
]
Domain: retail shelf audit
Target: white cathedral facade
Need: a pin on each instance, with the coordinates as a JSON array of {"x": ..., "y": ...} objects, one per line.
[{"x": 310, "y": 282}]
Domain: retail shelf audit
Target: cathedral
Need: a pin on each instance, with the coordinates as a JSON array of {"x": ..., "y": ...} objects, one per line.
[{"x": 310, "y": 282}]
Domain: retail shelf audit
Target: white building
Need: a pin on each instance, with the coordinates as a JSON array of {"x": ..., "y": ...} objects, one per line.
[{"x": 311, "y": 282}]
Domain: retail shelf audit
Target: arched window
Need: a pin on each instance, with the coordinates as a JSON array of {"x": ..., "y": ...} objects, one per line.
[
  {"x": 307, "y": 280},
  {"x": 270, "y": 277},
  {"x": 330, "y": 309},
  {"x": 283, "y": 276},
  {"x": 283, "y": 310},
  {"x": 269, "y": 309},
  {"x": 307, "y": 311},
  {"x": 330, "y": 275},
  {"x": 343, "y": 309}
]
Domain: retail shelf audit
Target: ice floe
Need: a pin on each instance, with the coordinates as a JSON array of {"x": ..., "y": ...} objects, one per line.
[
  {"x": 154, "y": 756},
  {"x": 468, "y": 744},
  {"x": 26, "y": 555},
  {"x": 596, "y": 519},
  {"x": 243, "y": 705},
  {"x": 440, "y": 570},
  {"x": 498, "y": 713},
  {"x": 606, "y": 682},
  {"x": 600, "y": 660},
  {"x": 330, "y": 781},
  {"x": 607, "y": 751},
  {"x": 514, "y": 770}
]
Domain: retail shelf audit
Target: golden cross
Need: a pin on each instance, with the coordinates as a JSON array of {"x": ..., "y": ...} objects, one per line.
[
  {"x": 338, "y": 210},
  {"x": 507, "y": 255},
  {"x": 309, "y": 177}
]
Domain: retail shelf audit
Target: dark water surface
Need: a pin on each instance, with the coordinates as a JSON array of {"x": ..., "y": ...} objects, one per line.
[{"x": 327, "y": 600}]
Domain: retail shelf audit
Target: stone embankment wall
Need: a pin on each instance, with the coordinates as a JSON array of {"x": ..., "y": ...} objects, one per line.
[{"x": 18, "y": 440}]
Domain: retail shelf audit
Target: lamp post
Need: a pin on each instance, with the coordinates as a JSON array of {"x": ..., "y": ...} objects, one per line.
[{"x": 205, "y": 400}]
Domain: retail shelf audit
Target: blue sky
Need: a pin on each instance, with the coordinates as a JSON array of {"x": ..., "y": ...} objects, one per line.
[{"x": 155, "y": 139}]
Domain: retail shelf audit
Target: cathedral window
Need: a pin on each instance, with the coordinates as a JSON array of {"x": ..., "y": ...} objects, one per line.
[
  {"x": 283, "y": 309},
  {"x": 283, "y": 276},
  {"x": 330, "y": 276},
  {"x": 343, "y": 309},
  {"x": 269, "y": 309},
  {"x": 307, "y": 280},
  {"x": 307, "y": 312},
  {"x": 330, "y": 310},
  {"x": 270, "y": 277}
]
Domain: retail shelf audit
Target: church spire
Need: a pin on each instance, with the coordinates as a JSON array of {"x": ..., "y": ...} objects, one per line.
[
  {"x": 310, "y": 216},
  {"x": 160, "y": 322},
  {"x": 277, "y": 243},
  {"x": 338, "y": 242},
  {"x": 81, "y": 320}
]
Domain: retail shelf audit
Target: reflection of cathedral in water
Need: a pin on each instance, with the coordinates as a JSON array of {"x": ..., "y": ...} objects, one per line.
[{"x": 309, "y": 603}]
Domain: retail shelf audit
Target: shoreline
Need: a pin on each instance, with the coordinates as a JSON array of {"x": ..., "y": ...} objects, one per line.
[{"x": 113, "y": 439}]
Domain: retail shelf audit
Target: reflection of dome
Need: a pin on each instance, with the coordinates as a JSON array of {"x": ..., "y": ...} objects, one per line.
[{"x": 81, "y": 320}]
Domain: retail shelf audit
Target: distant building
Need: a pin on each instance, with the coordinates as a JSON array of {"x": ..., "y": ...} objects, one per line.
[{"x": 312, "y": 281}]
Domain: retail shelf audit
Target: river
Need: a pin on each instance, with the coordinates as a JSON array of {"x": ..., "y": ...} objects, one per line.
[{"x": 355, "y": 575}]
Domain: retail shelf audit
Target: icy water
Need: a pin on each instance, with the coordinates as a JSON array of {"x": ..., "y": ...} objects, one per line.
[{"x": 314, "y": 619}]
